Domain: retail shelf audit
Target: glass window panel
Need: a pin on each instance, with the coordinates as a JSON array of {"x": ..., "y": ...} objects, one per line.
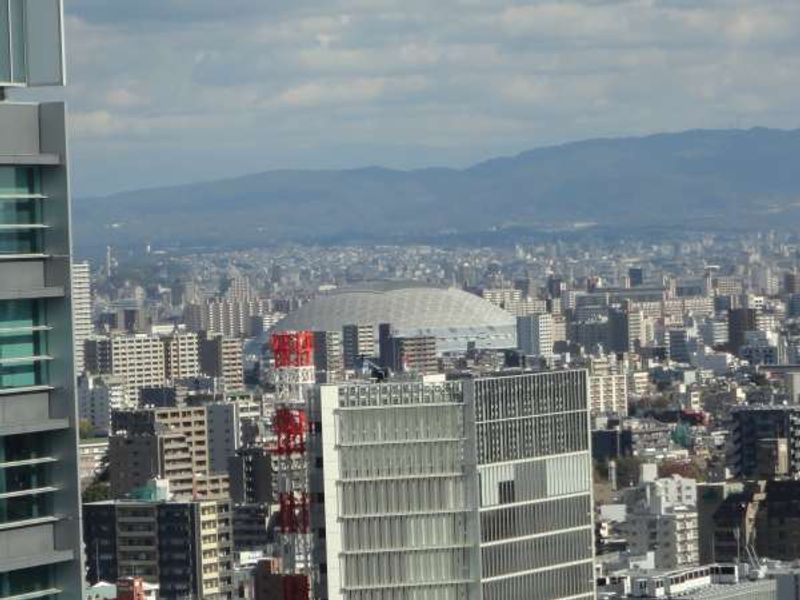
[
  {"x": 25, "y": 507},
  {"x": 17, "y": 479},
  {"x": 16, "y": 315},
  {"x": 26, "y": 581},
  {"x": 19, "y": 242},
  {"x": 19, "y": 212},
  {"x": 24, "y": 447},
  {"x": 18, "y": 180}
]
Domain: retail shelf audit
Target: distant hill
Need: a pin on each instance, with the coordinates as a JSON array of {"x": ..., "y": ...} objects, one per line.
[{"x": 704, "y": 178}]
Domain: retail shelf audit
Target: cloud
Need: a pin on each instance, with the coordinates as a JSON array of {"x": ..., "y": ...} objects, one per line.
[{"x": 177, "y": 90}]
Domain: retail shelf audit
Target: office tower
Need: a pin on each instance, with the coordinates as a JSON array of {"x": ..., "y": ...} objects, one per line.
[
  {"x": 740, "y": 320},
  {"x": 479, "y": 488},
  {"x": 385, "y": 346},
  {"x": 555, "y": 286},
  {"x": 184, "y": 547},
  {"x": 250, "y": 531},
  {"x": 357, "y": 341},
  {"x": 230, "y": 426},
  {"x": 734, "y": 525},
  {"x": 97, "y": 355},
  {"x": 250, "y": 476},
  {"x": 636, "y": 276},
  {"x": 328, "y": 356},
  {"x": 677, "y": 341},
  {"x": 40, "y": 537},
  {"x": 791, "y": 283},
  {"x": 98, "y": 397},
  {"x": 221, "y": 358},
  {"x": 81, "y": 310},
  {"x": 714, "y": 332},
  {"x": 710, "y": 496},
  {"x": 757, "y": 434},
  {"x": 535, "y": 334},
  {"x": 626, "y": 330},
  {"x": 778, "y": 521}
]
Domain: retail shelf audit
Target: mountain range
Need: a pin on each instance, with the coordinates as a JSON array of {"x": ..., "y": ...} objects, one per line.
[{"x": 698, "y": 179}]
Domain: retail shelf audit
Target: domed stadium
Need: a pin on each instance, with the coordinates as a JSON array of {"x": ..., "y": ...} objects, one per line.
[{"x": 453, "y": 316}]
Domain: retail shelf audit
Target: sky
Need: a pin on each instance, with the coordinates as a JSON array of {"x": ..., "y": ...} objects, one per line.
[{"x": 171, "y": 91}]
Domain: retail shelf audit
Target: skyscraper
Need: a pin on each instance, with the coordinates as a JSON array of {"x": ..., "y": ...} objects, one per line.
[
  {"x": 40, "y": 531},
  {"x": 81, "y": 310},
  {"x": 459, "y": 489}
]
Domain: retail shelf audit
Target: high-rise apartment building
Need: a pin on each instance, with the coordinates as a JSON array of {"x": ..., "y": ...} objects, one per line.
[
  {"x": 231, "y": 425},
  {"x": 756, "y": 431},
  {"x": 181, "y": 355},
  {"x": 81, "y": 310},
  {"x": 171, "y": 443},
  {"x": 469, "y": 489},
  {"x": 184, "y": 547},
  {"x": 626, "y": 330},
  {"x": 740, "y": 320},
  {"x": 328, "y": 355},
  {"x": 357, "y": 341},
  {"x": 144, "y": 360},
  {"x": 98, "y": 397},
  {"x": 221, "y": 357},
  {"x": 40, "y": 537},
  {"x": 138, "y": 358},
  {"x": 535, "y": 334}
]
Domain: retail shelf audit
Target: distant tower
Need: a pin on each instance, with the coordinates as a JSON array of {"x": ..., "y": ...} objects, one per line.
[
  {"x": 109, "y": 262},
  {"x": 81, "y": 310}
]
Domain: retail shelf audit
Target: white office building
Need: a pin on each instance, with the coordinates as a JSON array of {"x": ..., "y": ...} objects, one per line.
[{"x": 480, "y": 488}]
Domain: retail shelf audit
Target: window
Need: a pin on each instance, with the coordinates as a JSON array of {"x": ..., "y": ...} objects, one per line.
[
  {"x": 20, "y": 210},
  {"x": 25, "y": 507},
  {"x": 22, "y": 344}
]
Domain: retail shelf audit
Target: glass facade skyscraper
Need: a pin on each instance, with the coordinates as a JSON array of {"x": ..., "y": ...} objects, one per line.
[{"x": 40, "y": 533}]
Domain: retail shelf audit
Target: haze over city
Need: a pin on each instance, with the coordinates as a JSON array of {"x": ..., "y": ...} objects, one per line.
[{"x": 166, "y": 91}]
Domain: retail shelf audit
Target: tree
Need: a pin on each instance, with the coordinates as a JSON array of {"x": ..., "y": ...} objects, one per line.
[
  {"x": 96, "y": 492},
  {"x": 628, "y": 471},
  {"x": 85, "y": 429}
]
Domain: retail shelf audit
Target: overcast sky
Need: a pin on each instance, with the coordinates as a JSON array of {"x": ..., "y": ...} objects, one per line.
[{"x": 170, "y": 91}]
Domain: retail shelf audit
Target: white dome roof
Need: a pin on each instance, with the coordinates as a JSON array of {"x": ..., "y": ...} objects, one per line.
[{"x": 407, "y": 306}]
